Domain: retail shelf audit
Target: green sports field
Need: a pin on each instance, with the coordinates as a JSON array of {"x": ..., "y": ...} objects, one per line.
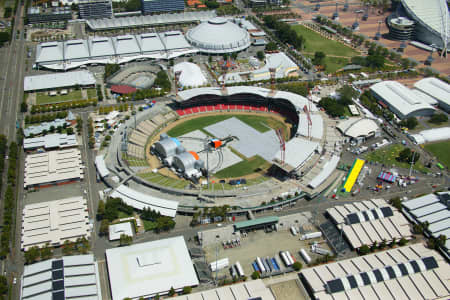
[
  {"x": 441, "y": 151},
  {"x": 44, "y": 98}
]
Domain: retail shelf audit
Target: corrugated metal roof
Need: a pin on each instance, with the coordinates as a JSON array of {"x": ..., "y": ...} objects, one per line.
[
  {"x": 420, "y": 201},
  {"x": 427, "y": 210},
  {"x": 58, "y": 80},
  {"x": 436, "y": 88},
  {"x": 256, "y": 222}
]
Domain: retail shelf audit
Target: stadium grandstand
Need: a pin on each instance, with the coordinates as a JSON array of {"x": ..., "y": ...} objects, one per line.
[
  {"x": 245, "y": 98},
  {"x": 140, "y": 76},
  {"x": 428, "y": 21}
]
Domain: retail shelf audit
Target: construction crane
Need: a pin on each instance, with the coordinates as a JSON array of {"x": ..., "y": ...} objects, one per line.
[
  {"x": 308, "y": 116},
  {"x": 280, "y": 135}
]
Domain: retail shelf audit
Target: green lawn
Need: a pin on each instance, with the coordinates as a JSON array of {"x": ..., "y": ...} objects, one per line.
[
  {"x": 149, "y": 225},
  {"x": 134, "y": 161},
  {"x": 44, "y": 98},
  {"x": 92, "y": 93},
  {"x": 315, "y": 42},
  {"x": 388, "y": 155},
  {"x": 164, "y": 180},
  {"x": 123, "y": 215},
  {"x": 243, "y": 168},
  {"x": 441, "y": 151}
]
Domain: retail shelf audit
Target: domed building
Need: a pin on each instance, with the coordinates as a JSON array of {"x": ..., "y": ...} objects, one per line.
[{"x": 218, "y": 36}]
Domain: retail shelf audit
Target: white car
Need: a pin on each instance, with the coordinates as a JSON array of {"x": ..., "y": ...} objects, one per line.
[{"x": 14, "y": 280}]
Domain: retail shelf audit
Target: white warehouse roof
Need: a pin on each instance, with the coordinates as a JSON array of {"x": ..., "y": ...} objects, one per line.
[
  {"x": 219, "y": 35},
  {"x": 146, "y": 269},
  {"x": 431, "y": 135},
  {"x": 140, "y": 201},
  {"x": 116, "y": 230},
  {"x": 358, "y": 127},
  {"x": 436, "y": 88},
  {"x": 401, "y": 100},
  {"x": 58, "y": 80},
  {"x": 101, "y": 166},
  {"x": 191, "y": 74},
  {"x": 50, "y": 141},
  {"x": 68, "y": 277}
]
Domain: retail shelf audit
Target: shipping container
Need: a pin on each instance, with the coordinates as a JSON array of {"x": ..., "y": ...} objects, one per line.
[
  {"x": 311, "y": 235},
  {"x": 321, "y": 251}
]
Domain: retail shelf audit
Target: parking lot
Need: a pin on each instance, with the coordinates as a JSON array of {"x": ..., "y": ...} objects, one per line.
[{"x": 261, "y": 244}]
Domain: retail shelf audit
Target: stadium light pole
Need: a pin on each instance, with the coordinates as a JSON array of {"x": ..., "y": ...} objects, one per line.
[
  {"x": 177, "y": 77},
  {"x": 217, "y": 256}
]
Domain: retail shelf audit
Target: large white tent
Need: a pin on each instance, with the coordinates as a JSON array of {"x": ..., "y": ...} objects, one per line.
[
  {"x": 191, "y": 75},
  {"x": 431, "y": 135}
]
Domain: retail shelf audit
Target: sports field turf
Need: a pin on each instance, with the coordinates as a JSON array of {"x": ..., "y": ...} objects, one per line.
[
  {"x": 387, "y": 156},
  {"x": 44, "y": 98},
  {"x": 260, "y": 123},
  {"x": 441, "y": 151},
  {"x": 243, "y": 168},
  {"x": 316, "y": 42}
]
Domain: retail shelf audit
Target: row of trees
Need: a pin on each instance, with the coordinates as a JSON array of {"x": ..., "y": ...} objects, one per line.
[
  {"x": 285, "y": 32},
  {"x": 63, "y": 106},
  {"x": 10, "y": 195},
  {"x": 91, "y": 142},
  {"x": 104, "y": 110},
  {"x": 35, "y": 253},
  {"x": 32, "y": 119},
  {"x": 365, "y": 249},
  {"x": 98, "y": 87}
]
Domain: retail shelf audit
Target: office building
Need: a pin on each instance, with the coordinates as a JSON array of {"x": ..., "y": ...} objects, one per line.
[
  {"x": 152, "y": 6},
  {"x": 92, "y": 9}
]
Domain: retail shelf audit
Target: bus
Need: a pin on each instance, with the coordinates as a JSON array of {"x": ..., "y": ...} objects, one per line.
[{"x": 440, "y": 166}]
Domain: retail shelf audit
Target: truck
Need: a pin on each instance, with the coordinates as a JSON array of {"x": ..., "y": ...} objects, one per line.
[
  {"x": 290, "y": 257},
  {"x": 285, "y": 259},
  {"x": 260, "y": 265},
  {"x": 321, "y": 251},
  {"x": 311, "y": 235},
  {"x": 239, "y": 269},
  {"x": 305, "y": 256},
  {"x": 293, "y": 230},
  {"x": 219, "y": 264}
]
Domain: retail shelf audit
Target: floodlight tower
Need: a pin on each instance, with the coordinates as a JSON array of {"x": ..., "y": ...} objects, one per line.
[
  {"x": 355, "y": 25},
  {"x": 430, "y": 58},
  {"x": 336, "y": 13},
  {"x": 272, "y": 79},
  {"x": 280, "y": 135},
  {"x": 345, "y": 6},
  {"x": 177, "y": 78},
  {"x": 378, "y": 34},
  {"x": 308, "y": 116}
]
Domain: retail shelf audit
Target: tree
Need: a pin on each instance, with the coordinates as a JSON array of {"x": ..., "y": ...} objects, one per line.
[
  {"x": 67, "y": 247},
  {"x": 271, "y": 46},
  {"x": 46, "y": 252},
  {"x": 104, "y": 227},
  {"x": 100, "y": 210},
  {"x": 187, "y": 290},
  {"x": 157, "y": 297},
  {"x": 396, "y": 202},
  {"x": 297, "y": 266},
  {"x": 319, "y": 58},
  {"x": 3, "y": 285},
  {"x": 212, "y": 4},
  {"x": 171, "y": 292},
  {"x": 4, "y": 37},
  {"x": 393, "y": 242},
  {"x": 364, "y": 249},
  {"x": 23, "y": 107},
  {"x": 438, "y": 118},
  {"x": 403, "y": 241},
  {"x": 69, "y": 130},
  {"x": 255, "y": 275},
  {"x": 125, "y": 240},
  {"x": 32, "y": 254},
  {"x": 347, "y": 93},
  {"x": 382, "y": 244},
  {"x": 411, "y": 122},
  {"x": 260, "y": 55}
]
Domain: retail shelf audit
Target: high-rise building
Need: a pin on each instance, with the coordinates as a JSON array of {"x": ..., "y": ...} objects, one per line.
[
  {"x": 92, "y": 9},
  {"x": 152, "y": 6},
  {"x": 45, "y": 15}
]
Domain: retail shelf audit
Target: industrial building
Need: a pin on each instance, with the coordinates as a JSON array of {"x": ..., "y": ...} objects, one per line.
[
  {"x": 116, "y": 230},
  {"x": 92, "y": 9},
  {"x": 150, "y": 20},
  {"x": 52, "y": 167},
  {"x": 44, "y": 126},
  {"x": 401, "y": 100},
  {"x": 50, "y": 142},
  {"x": 54, "y": 222},
  {"x": 154, "y": 6},
  {"x": 437, "y": 89},
  {"x": 433, "y": 209},
  {"x": 254, "y": 289},
  {"x": 140, "y": 201},
  {"x": 119, "y": 49},
  {"x": 68, "y": 277},
  {"x": 369, "y": 222},
  {"x": 425, "y": 21},
  {"x": 45, "y": 82},
  {"x": 46, "y": 15},
  {"x": 191, "y": 75},
  {"x": 358, "y": 128},
  {"x": 409, "y": 272},
  {"x": 147, "y": 269},
  {"x": 218, "y": 35}
]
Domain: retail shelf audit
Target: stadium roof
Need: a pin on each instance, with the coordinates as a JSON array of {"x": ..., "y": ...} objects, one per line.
[
  {"x": 174, "y": 40},
  {"x": 76, "y": 49},
  {"x": 49, "y": 51},
  {"x": 62, "y": 278},
  {"x": 436, "y": 88},
  {"x": 49, "y": 141},
  {"x": 431, "y": 13},
  {"x": 409, "y": 272},
  {"x": 126, "y": 22},
  {"x": 219, "y": 35},
  {"x": 126, "y": 44},
  {"x": 431, "y": 135},
  {"x": 146, "y": 269},
  {"x": 140, "y": 201},
  {"x": 402, "y": 100},
  {"x": 58, "y": 80},
  {"x": 326, "y": 171},
  {"x": 191, "y": 74},
  {"x": 357, "y": 127}
]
